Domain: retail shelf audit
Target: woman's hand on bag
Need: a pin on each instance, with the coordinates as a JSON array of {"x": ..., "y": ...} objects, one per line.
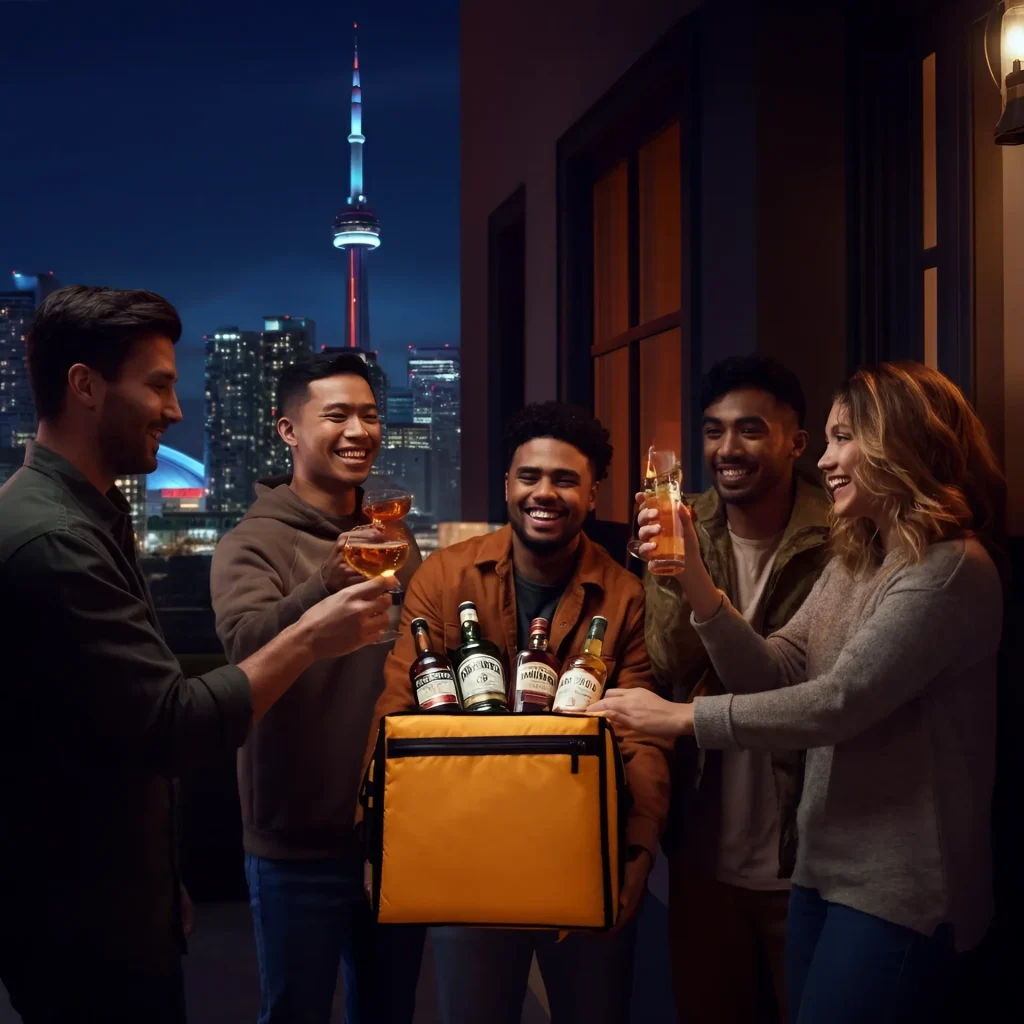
[
  {"x": 645, "y": 712},
  {"x": 704, "y": 597}
]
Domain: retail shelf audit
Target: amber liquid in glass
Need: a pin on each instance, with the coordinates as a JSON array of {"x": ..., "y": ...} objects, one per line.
[
  {"x": 377, "y": 558},
  {"x": 668, "y": 557},
  {"x": 390, "y": 509}
]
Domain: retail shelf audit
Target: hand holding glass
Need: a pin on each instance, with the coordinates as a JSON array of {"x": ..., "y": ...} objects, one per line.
[{"x": 378, "y": 551}]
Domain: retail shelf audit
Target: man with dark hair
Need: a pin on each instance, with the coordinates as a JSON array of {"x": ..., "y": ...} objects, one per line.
[
  {"x": 732, "y": 833},
  {"x": 299, "y": 769},
  {"x": 543, "y": 565},
  {"x": 98, "y": 717}
]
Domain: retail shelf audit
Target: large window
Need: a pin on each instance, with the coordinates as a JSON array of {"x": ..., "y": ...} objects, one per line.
[
  {"x": 636, "y": 347},
  {"x": 625, "y": 341}
]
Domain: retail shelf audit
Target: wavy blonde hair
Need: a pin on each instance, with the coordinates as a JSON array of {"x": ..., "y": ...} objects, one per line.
[{"x": 927, "y": 457}]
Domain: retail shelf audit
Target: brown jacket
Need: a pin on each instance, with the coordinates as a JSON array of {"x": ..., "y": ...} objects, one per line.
[
  {"x": 480, "y": 570},
  {"x": 681, "y": 664}
]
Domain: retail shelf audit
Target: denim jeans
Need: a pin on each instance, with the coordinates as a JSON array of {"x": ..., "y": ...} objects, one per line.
[
  {"x": 482, "y": 974},
  {"x": 847, "y": 967},
  {"x": 311, "y": 916}
]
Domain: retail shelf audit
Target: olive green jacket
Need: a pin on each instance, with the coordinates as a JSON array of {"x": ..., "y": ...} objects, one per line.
[{"x": 681, "y": 664}]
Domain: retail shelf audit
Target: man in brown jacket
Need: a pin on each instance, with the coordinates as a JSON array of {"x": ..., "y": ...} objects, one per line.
[
  {"x": 732, "y": 833},
  {"x": 542, "y": 564},
  {"x": 298, "y": 771}
]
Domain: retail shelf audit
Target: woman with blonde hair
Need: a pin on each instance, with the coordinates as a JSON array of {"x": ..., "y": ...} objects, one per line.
[{"x": 887, "y": 678}]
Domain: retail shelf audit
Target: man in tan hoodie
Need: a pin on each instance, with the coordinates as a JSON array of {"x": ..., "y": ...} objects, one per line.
[{"x": 298, "y": 772}]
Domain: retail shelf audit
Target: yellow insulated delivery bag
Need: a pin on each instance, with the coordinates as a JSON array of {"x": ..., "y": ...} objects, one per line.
[{"x": 496, "y": 820}]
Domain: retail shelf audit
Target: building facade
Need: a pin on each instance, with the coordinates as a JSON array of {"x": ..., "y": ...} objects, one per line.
[
  {"x": 237, "y": 411},
  {"x": 285, "y": 340},
  {"x": 818, "y": 182},
  {"x": 18, "y": 302}
]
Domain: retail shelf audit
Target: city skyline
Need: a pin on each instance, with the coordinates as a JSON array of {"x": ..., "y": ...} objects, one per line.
[{"x": 217, "y": 190}]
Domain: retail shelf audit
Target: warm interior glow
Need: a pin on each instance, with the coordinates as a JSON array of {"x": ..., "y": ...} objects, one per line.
[{"x": 1012, "y": 47}]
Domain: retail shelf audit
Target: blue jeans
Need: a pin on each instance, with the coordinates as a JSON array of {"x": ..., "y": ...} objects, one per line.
[
  {"x": 847, "y": 967},
  {"x": 482, "y": 974},
  {"x": 308, "y": 917}
]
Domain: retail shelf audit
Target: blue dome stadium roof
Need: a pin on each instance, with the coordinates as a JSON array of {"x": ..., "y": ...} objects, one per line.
[{"x": 175, "y": 470}]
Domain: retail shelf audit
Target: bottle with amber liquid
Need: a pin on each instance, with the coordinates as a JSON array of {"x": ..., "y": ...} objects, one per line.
[
  {"x": 585, "y": 674},
  {"x": 431, "y": 674},
  {"x": 536, "y": 674},
  {"x": 478, "y": 667}
]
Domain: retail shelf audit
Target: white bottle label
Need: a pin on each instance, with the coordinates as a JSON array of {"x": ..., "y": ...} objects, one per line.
[
  {"x": 536, "y": 682},
  {"x": 434, "y": 687},
  {"x": 481, "y": 678},
  {"x": 577, "y": 690}
]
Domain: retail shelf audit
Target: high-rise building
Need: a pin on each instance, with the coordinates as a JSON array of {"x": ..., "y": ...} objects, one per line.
[
  {"x": 18, "y": 303},
  {"x": 434, "y": 383},
  {"x": 400, "y": 405},
  {"x": 285, "y": 340},
  {"x": 440, "y": 361},
  {"x": 134, "y": 490},
  {"x": 445, "y": 450},
  {"x": 356, "y": 228},
  {"x": 237, "y": 408}
]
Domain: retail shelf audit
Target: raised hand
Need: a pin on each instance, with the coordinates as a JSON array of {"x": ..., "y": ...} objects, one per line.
[
  {"x": 336, "y": 573},
  {"x": 349, "y": 619}
]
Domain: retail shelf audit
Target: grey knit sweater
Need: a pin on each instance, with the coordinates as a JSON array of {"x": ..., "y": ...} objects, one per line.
[{"x": 890, "y": 684}]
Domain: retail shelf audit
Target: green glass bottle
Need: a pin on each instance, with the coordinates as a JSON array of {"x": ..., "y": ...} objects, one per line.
[{"x": 478, "y": 667}]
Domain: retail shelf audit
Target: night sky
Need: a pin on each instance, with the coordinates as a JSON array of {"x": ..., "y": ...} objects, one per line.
[{"x": 199, "y": 149}]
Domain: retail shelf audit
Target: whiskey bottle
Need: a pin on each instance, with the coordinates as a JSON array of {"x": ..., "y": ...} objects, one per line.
[
  {"x": 585, "y": 674},
  {"x": 431, "y": 674},
  {"x": 536, "y": 675},
  {"x": 478, "y": 670}
]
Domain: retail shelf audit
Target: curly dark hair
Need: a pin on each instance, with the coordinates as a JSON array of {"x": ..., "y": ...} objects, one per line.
[{"x": 563, "y": 422}]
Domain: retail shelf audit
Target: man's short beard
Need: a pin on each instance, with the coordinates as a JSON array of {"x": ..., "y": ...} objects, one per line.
[{"x": 540, "y": 547}]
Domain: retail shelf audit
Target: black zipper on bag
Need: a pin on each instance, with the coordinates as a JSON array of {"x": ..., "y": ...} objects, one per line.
[{"x": 475, "y": 746}]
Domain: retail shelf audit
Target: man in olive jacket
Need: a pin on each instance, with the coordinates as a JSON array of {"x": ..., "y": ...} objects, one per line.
[{"x": 731, "y": 839}]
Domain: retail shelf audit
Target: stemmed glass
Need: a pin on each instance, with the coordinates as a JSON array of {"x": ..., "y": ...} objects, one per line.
[{"x": 381, "y": 547}]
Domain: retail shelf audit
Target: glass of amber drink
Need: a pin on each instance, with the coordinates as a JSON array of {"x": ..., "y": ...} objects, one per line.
[
  {"x": 380, "y": 549},
  {"x": 668, "y": 557},
  {"x": 386, "y": 504}
]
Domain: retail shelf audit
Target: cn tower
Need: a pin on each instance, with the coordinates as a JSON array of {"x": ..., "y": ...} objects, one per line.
[{"x": 356, "y": 229}]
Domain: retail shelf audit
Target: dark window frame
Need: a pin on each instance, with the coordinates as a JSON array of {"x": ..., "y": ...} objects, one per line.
[
  {"x": 659, "y": 89},
  {"x": 506, "y": 331}
]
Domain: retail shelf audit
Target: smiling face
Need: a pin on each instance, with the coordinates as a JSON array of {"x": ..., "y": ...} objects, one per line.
[
  {"x": 334, "y": 433},
  {"x": 751, "y": 441},
  {"x": 549, "y": 489},
  {"x": 840, "y": 462},
  {"x": 134, "y": 410}
]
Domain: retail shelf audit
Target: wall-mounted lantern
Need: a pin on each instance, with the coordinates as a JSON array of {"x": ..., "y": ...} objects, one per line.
[{"x": 1010, "y": 130}]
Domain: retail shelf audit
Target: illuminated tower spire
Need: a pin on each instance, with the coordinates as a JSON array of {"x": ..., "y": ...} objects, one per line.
[{"x": 356, "y": 230}]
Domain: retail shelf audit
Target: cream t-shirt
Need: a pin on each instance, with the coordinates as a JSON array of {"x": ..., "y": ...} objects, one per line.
[{"x": 747, "y": 852}]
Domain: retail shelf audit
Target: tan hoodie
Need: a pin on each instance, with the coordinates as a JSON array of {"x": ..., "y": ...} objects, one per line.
[{"x": 299, "y": 769}]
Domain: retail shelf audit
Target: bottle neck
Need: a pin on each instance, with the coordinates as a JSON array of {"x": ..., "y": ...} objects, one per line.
[
  {"x": 422, "y": 641},
  {"x": 593, "y": 645},
  {"x": 470, "y": 631},
  {"x": 538, "y": 641}
]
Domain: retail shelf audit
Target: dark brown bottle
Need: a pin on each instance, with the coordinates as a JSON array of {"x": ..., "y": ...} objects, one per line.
[
  {"x": 536, "y": 674},
  {"x": 431, "y": 674}
]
